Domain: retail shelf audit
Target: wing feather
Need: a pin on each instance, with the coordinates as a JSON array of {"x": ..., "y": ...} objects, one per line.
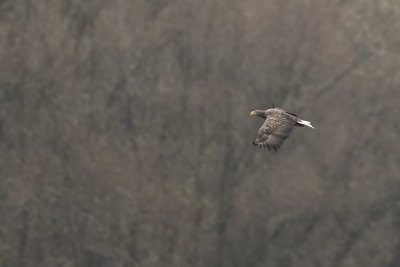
[{"x": 274, "y": 131}]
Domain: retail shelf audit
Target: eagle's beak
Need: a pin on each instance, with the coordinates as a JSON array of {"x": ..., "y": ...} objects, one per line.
[{"x": 253, "y": 113}]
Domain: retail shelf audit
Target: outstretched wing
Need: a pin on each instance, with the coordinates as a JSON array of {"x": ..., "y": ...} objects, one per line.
[{"x": 273, "y": 132}]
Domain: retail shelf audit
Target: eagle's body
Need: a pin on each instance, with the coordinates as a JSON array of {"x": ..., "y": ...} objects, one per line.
[{"x": 277, "y": 127}]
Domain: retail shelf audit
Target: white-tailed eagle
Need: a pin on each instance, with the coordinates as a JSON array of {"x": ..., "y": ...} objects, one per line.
[{"x": 277, "y": 127}]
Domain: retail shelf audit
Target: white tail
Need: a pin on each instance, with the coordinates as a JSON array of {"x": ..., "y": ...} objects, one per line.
[{"x": 306, "y": 123}]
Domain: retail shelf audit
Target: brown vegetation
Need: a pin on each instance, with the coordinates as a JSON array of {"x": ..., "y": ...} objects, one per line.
[{"x": 125, "y": 138}]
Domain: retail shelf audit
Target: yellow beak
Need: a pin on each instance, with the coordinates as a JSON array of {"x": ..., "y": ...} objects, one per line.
[{"x": 253, "y": 113}]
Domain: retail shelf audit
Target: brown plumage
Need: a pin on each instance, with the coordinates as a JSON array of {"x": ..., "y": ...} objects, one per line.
[{"x": 277, "y": 127}]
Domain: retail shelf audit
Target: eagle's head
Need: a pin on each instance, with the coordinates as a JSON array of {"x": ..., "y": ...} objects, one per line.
[{"x": 259, "y": 113}]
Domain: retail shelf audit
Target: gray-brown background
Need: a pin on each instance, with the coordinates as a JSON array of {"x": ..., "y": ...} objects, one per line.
[{"x": 125, "y": 135}]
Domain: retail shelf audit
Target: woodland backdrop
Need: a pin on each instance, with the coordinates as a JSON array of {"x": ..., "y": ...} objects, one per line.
[{"x": 125, "y": 135}]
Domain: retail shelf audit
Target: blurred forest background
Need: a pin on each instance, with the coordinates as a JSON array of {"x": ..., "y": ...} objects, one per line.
[{"x": 125, "y": 135}]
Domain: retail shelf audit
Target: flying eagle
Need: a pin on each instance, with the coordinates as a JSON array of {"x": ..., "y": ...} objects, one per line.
[{"x": 277, "y": 127}]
